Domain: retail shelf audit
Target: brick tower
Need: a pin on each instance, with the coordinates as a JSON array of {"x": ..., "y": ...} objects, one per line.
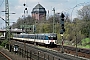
[{"x": 39, "y": 12}]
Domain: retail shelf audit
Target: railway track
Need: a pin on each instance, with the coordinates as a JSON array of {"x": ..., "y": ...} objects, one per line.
[
  {"x": 46, "y": 53},
  {"x": 4, "y": 56},
  {"x": 71, "y": 50},
  {"x": 81, "y": 52}
]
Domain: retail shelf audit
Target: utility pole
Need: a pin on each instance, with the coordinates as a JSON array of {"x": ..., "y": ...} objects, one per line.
[
  {"x": 7, "y": 21},
  {"x": 53, "y": 20},
  {"x": 76, "y": 39},
  {"x": 25, "y": 13}
]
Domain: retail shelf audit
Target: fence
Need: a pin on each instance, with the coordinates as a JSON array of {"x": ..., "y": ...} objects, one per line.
[{"x": 35, "y": 55}]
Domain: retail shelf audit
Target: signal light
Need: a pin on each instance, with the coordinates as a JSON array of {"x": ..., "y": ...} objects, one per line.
[{"x": 62, "y": 24}]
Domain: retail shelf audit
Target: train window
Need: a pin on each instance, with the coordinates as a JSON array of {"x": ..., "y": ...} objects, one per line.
[
  {"x": 25, "y": 36},
  {"x": 33, "y": 37},
  {"x": 30, "y": 37},
  {"x": 38, "y": 37},
  {"x": 54, "y": 38},
  {"x": 46, "y": 38},
  {"x": 41, "y": 37},
  {"x": 50, "y": 38}
]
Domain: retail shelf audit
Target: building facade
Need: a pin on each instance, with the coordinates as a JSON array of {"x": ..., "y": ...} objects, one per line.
[{"x": 39, "y": 12}]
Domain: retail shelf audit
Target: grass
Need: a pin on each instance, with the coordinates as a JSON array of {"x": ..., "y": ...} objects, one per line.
[{"x": 85, "y": 43}]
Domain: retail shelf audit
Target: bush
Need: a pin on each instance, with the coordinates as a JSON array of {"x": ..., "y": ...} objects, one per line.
[
  {"x": 86, "y": 42},
  {"x": 4, "y": 42}
]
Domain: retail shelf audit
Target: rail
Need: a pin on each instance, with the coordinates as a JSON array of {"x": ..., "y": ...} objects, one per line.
[
  {"x": 35, "y": 53},
  {"x": 5, "y": 56}
]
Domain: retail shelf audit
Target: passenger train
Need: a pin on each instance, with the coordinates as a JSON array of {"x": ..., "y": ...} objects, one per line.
[{"x": 43, "y": 38}]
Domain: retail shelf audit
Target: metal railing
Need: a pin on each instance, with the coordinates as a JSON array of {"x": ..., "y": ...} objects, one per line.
[{"x": 35, "y": 55}]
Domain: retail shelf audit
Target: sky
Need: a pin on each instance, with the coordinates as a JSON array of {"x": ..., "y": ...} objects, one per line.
[{"x": 16, "y": 6}]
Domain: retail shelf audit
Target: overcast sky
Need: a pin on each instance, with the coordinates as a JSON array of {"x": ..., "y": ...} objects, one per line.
[{"x": 59, "y": 5}]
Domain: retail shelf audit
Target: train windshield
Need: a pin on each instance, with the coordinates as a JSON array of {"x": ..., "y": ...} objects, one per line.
[
  {"x": 46, "y": 38},
  {"x": 52, "y": 38}
]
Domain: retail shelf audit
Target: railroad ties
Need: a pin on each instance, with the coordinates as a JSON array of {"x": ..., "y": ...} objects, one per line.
[{"x": 34, "y": 52}]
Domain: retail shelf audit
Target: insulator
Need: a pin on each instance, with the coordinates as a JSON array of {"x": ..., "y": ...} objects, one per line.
[
  {"x": 25, "y": 8},
  {"x": 24, "y": 4}
]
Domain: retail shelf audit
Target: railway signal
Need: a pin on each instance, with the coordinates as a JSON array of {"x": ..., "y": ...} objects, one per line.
[
  {"x": 62, "y": 29},
  {"x": 62, "y": 23}
]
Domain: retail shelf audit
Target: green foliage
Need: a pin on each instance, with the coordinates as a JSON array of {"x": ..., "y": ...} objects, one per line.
[
  {"x": 77, "y": 29},
  {"x": 4, "y": 42},
  {"x": 24, "y": 21},
  {"x": 85, "y": 29},
  {"x": 86, "y": 42},
  {"x": 59, "y": 39},
  {"x": 44, "y": 28},
  {"x": 85, "y": 20}
]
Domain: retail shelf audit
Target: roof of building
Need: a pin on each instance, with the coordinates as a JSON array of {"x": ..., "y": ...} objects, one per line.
[{"x": 38, "y": 8}]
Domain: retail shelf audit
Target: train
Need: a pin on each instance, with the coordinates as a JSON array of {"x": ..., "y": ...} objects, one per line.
[{"x": 47, "y": 39}]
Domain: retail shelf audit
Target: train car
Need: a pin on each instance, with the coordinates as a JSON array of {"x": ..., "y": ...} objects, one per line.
[{"x": 43, "y": 38}]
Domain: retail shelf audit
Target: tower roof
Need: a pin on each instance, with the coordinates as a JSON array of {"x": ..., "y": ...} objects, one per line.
[{"x": 38, "y": 8}]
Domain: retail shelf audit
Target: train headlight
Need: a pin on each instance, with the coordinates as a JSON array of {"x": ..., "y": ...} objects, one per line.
[{"x": 48, "y": 41}]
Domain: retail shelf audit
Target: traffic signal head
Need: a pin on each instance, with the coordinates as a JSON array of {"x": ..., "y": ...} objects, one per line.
[
  {"x": 62, "y": 15},
  {"x": 62, "y": 24},
  {"x": 62, "y": 31}
]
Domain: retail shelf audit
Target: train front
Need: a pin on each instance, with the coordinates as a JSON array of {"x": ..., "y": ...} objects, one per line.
[{"x": 52, "y": 39}]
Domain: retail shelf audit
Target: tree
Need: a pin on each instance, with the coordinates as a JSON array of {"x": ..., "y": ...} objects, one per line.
[{"x": 85, "y": 14}]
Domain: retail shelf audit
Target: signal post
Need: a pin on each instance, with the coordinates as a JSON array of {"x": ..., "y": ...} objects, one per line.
[{"x": 62, "y": 29}]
